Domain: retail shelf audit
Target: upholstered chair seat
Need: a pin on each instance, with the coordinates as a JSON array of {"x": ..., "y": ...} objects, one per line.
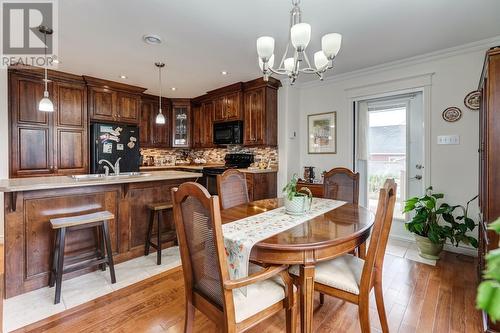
[{"x": 342, "y": 273}]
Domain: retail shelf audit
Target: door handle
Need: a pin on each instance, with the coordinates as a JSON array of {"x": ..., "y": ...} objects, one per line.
[
  {"x": 419, "y": 166},
  {"x": 417, "y": 177}
]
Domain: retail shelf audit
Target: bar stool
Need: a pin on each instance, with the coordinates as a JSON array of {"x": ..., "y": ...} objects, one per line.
[
  {"x": 155, "y": 210},
  {"x": 97, "y": 220}
]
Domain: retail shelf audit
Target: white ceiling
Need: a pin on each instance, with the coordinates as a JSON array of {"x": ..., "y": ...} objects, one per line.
[{"x": 202, "y": 38}]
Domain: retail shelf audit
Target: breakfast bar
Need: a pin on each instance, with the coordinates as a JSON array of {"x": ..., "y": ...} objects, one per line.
[{"x": 31, "y": 202}]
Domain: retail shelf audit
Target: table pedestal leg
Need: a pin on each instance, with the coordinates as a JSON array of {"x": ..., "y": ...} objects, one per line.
[{"x": 306, "y": 298}]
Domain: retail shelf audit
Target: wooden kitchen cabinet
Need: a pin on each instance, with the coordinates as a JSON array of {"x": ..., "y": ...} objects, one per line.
[
  {"x": 113, "y": 101},
  {"x": 47, "y": 143},
  {"x": 153, "y": 135},
  {"x": 260, "y": 100},
  {"x": 262, "y": 185},
  {"x": 227, "y": 102},
  {"x": 202, "y": 129},
  {"x": 181, "y": 123}
]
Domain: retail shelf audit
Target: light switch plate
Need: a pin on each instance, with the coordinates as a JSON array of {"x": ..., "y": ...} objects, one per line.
[{"x": 448, "y": 140}]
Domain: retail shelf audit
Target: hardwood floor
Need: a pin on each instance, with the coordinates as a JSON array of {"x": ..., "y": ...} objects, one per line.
[{"x": 418, "y": 298}]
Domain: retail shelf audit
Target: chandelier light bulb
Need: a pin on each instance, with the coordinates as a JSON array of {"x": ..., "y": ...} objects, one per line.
[
  {"x": 270, "y": 63},
  {"x": 320, "y": 60},
  {"x": 330, "y": 44},
  {"x": 300, "y": 35},
  {"x": 265, "y": 47},
  {"x": 289, "y": 64}
]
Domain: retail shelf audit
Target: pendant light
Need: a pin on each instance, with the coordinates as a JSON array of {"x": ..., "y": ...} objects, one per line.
[
  {"x": 45, "y": 104},
  {"x": 160, "y": 118}
]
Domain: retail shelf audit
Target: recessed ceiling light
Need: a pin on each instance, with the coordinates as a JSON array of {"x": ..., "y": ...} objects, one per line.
[
  {"x": 223, "y": 73},
  {"x": 173, "y": 88},
  {"x": 123, "y": 76},
  {"x": 152, "y": 39}
]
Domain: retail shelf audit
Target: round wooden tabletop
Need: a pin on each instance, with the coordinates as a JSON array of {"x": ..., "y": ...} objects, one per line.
[{"x": 321, "y": 238}]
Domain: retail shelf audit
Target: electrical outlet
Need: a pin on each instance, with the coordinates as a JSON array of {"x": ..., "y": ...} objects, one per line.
[{"x": 448, "y": 140}]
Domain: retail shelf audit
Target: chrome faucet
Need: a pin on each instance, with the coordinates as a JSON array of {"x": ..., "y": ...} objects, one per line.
[{"x": 115, "y": 168}]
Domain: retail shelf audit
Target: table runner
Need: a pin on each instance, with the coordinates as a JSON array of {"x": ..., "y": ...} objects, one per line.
[{"x": 241, "y": 235}]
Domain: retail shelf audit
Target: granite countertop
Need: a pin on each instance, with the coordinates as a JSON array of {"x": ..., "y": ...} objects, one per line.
[
  {"x": 201, "y": 166},
  {"x": 45, "y": 183}
]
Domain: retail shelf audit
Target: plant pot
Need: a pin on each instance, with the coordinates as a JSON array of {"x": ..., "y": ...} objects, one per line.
[
  {"x": 428, "y": 249},
  {"x": 298, "y": 205}
]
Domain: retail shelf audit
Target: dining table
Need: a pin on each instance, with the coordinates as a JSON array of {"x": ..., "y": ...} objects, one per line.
[{"x": 323, "y": 237}]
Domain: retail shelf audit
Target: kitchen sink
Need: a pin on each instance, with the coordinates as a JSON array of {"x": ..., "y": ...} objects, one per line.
[{"x": 110, "y": 176}]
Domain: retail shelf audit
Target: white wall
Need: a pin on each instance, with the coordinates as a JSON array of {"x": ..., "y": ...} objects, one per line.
[
  {"x": 453, "y": 168},
  {"x": 4, "y": 141}
]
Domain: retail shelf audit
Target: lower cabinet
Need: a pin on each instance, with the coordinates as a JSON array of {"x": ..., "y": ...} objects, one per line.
[
  {"x": 262, "y": 185},
  {"x": 316, "y": 189},
  {"x": 29, "y": 238}
]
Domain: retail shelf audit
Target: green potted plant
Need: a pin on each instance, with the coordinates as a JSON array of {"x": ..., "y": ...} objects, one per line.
[
  {"x": 297, "y": 202},
  {"x": 429, "y": 233},
  {"x": 488, "y": 292}
]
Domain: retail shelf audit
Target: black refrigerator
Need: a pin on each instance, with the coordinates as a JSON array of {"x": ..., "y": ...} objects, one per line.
[{"x": 112, "y": 141}]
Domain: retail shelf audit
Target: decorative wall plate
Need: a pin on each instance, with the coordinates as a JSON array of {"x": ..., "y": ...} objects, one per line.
[
  {"x": 473, "y": 100},
  {"x": 452, "y": 114}
]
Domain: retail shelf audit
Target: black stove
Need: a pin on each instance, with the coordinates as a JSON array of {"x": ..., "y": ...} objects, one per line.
[{"x": 232, "y": 161}]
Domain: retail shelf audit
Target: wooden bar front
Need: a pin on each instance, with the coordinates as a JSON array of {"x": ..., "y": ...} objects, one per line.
[{"x": 29, "y": 238}]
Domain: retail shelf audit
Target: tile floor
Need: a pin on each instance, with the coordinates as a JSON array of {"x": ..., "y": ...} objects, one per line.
[{"x": 28, "y": 308}]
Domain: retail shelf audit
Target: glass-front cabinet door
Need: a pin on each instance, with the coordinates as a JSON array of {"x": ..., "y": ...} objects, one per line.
[{"x": 181, "y": 123}]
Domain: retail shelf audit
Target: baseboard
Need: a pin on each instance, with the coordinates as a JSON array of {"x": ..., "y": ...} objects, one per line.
[{"x": 461, "y": 249}]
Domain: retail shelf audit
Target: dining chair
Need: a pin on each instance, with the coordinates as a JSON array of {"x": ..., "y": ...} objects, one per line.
[
  {"x": 341, "y": 184},
  {"x": 351, "y": 278},
  {"x": 208, "y": 287},
  {"x": 232, "y": 188}
]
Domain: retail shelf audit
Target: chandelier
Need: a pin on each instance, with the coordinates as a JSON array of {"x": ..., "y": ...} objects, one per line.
[{"x": 299, "y": 37}]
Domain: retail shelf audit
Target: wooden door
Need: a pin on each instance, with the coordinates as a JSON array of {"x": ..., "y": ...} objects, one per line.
[
  {"x": 207, "y": 116},
  {"x": 197, "y": 126},
  {"x": 128, "y": 106},
  {"x": 102, "y": 104},
  {"x": 233, "y": 106},
  {"x": 70, "y": 129},
  {"x": 161, "y": 132},
  {"x": 219, "y": 105},
  {"x": 146, "y": 123},
  {"x": 254, "y": 115},
  {"x": 31, "y": 130}
]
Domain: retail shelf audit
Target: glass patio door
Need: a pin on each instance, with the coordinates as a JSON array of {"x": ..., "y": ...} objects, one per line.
[{"x": 390, "y": 144}]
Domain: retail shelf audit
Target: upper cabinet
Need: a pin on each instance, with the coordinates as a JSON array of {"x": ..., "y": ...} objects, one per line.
[
  {"x": 203, "y": 115},
  {"x": 260, "y": 100},
  {"x": 181, "y": 123},
  {"x": 154, "y": 135},
  {"x": 113, "y": 101},
  {"x": 227, "y": 102},
  {"x": 47, "y": 143}
]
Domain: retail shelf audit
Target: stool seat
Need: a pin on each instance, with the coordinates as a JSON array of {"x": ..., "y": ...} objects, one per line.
[
  {"x": 71, "y": 221},
  {"x": 160, "y": 206}
]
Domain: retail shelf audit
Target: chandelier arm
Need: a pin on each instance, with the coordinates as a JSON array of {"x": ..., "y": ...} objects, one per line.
[{"x": 307, "y": 59}]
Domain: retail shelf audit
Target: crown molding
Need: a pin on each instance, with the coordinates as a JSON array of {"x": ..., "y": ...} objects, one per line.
[{"x": 483, "y": 44}]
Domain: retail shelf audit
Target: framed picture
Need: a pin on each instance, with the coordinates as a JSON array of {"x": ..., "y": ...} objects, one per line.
[{"x": 322, "y": 133}]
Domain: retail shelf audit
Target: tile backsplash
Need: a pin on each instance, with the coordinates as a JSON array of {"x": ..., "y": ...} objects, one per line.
[{"x": 210, "y": 155}]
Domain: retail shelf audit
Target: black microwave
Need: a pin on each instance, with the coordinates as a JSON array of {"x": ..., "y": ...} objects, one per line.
[{"x": 228, "y": 133}]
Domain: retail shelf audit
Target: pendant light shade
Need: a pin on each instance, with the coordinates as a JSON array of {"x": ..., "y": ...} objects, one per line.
[
  {"x": 46, "y": 104},
  {"x": 160, "y": 117},
  {"x": 330, "y": 44},
  {"x": 300, "y": 34},
  {"x": 265, "y": 47}
]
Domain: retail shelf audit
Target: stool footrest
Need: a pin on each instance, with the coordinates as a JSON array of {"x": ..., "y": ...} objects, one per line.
[{"x": 84, "y": 264}]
